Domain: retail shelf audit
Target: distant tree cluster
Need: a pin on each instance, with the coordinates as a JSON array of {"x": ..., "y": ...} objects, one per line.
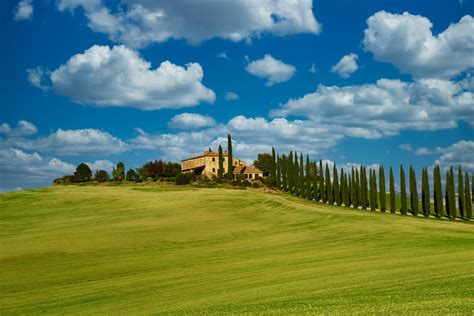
[
  {"x": 152, "y": 170},
  {"x": 360, "y": 188}
]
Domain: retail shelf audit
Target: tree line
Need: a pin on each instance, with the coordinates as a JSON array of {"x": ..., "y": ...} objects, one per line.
[
  {"x": 151, "y": 170},
  {"x": 363, "y": 188}
]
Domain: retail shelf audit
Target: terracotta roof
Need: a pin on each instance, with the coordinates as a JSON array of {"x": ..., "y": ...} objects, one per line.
[
  {"x": 207, "y": 153},
  {"x": 252, "y": 169},
  {"x": 238, "y": 169}
]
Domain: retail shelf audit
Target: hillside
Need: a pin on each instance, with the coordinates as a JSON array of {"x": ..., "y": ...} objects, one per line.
[{"x": 133, "y": 249}]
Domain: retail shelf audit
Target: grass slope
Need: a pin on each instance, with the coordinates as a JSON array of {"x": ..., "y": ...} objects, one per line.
[{"x": 186, "y": 250}]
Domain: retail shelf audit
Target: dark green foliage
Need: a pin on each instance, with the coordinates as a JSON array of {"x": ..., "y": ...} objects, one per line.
[
  {"x": 302, "y": 182},
  {"x": 461, "y": 193},
  {"x": 230, "y": 159},
  {"x": 290, "y": 172},
  {"x": 322, "y": 190},
  {"x": 278, "y": 172},
  {"x": 273, "y": 168},
  {"x": 307, "y": 179},
  {"x": 101, "y": 176},
  {"x": 185, "y": 178},
  {"x": 83, "y": 173},
  {"x": 350, "y": 190},
  {"x": 438, "y": 193},
  {"x": 364, "y": 188},
  {"x": 329, "y": 196},
  {"x": 220, "y": 172},
  {"x": 467, "y": 197},
  {"x": 315, "y": 193},
  {"x": 159, "y": 169},
  {"x": 450, "y": 196},
  {"x": 335, "y": 186},
  {"x": 345, "y": 195},
  {"x": 358, "y": 194},
  {"x": 425, "y": 193},
  {"x": 296, "y": 172},
  {"x": 284, "y": 172},
  {"x": 413, "y": 192},
  {"x": 373, "y": 190},
  {"x": 403, "y": 192},
  {"x": 118, "y": 173},
  {"x": 265, "y": 164},
  {"x": 393, "y": 205},
  {"x": 383, "y": 192},
  {"x": 131, "y": 176}
]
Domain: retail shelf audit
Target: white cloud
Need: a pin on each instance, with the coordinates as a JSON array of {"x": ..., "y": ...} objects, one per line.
[
  {"x": 23, "y": 128},
  {"x": 386, "y": 107},
  {"x": 20, "y": 169},
  {"x": 222, "y": 55},
  {"x": 191, "y": 121},
  {"x": 141, "y": 22},
  {"x": 118, "y": 76},
  {"x": 313, "y": 69},
  {"x": 106, "y": 165},
  {"x": 231, "y": 96},
  {"x": 460, "y": 153},
  {"x": 407, "y": 42},
  {"x": 422, "y": 151},
  {"x": 274, "y": 70},
  {"x": 24, "y": 10},
  {"x": 346, "y": 66},
  {"x": 64, "y": 142}
]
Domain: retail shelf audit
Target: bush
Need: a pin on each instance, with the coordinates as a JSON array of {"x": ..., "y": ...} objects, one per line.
[
  {"x": 257, "y": 184},
  {"x": 184, "y": 178}
]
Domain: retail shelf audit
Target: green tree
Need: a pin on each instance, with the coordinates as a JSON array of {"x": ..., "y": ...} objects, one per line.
[
  {"x": 403, "y": 192},
  {"x": 467, "y": 197},
  {"x": 307, "y": 179},
  {"x": 425, "y": 193},
  {"x": 373, "y": 191},
  {"x": 450, "y": 196},
  {"x": 438, "y": 193},
  {"x": 322, "y": 190},
  {"x": 335, "y": 186},
  {"x": 230, "y": 159},
  {"x": 220, "y": 172},
  {"x": 118, "y": 173},
  {"x": 383, "y": 193},
  {"x": 357, "y": 189},
  {"x": 284, "y": 172},
  {"x": 413, "y": 192},
  {"x": 364, "y": 188},
  {"x": 83, "y": 173},
  {"x": 315, "y": 181},
  {"x": 302, "y": 188},
  {"x": 350, "y": 189},
  {"x": 461, "y": 193},
  {"x": 278, "y": 172},
  {"x": 273, "y": 168},
  {"x": 393, "y": 205},
  {"x": 132, "y": 175},
  {"x": 296, "y": 172},
  {"x": 343, "y": 189},
  {"x": 328, "y": 186},
  {"x": 101, "y": 176},
  {"x": 290, "y": 171},
  {"x": 347, "y": 201}
]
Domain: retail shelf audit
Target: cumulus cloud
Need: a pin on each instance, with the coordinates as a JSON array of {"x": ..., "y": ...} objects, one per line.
[
  {"x": 222, "y": 55},
  {"x": 64, "y": 142},
  {"x": 422, "y": 151},
  {"x": 24, "y": 10},
  {"x": 274, "y": 70},
  {"x": 191, "y": 121},
  {"x": 406, "y": 41},
  {"x": 460, "y": 153},
  {"x": 231, "y": 96},
  {"x": 106, "y": 165},
  {"x": 23, "y": 128},
  {"x": 118, "y": 76},
  {"x": 20, "y": 169},
  {"x": 141, "y": 22},
  {"x": 346, "y": 66},
  {"x": 386, "y": 107}
]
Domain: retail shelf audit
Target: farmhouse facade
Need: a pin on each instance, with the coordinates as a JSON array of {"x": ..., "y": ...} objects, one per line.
[{"x": 207, "y": 164}]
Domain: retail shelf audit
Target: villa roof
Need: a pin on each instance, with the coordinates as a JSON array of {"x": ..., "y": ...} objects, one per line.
[
  {"x": 252, "y": 169},
  {"x": 208, "y": 153}
]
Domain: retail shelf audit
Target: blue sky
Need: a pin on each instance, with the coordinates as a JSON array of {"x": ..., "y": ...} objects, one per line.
[{"x": 384, "y": 82}]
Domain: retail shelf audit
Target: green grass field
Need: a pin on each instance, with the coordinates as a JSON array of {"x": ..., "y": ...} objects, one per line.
[{"x": 169, "y": 250}]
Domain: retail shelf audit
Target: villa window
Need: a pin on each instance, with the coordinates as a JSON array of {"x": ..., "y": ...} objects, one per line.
[
  {"x": 213, "y": 169},
  {"x": 213, "y": 159}
]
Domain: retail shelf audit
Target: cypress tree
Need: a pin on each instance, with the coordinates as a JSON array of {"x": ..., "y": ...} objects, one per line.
[
  {"x": 393, "y": 205},
  {"x": 413, "y": 192},
  {"x": 302, "y": 189},
  {"x": 315, "y": 182},
  {"x": 296, "y": 172},
  {"x": 329, "y": 196},
  {"x": 467, "y": 197},
  {"x": 322, "y": 190},
  {"x": 347, "y": 200},
  {"x": 284, "y": 174},
  {"x": 357, "y": 188},
  {"x": 278, "y": 172},
  {"x": 364, "y": 188},
  {"x": 403, "y": 192},
  {"x": 425, "y": 193},
  {"x": 221, "y": 163},
  {"x": 373, "y": 191},
  {"x": 273, "y": 168},
  {"x": 230, "y": 160},
  {"x": 349, "y": 190},
  {"x": 383, "y": 196},
  {"x": 437, "y": 194},
  {"x": 335, "y": 186},
  {"x": 446, "y": 195},
  {"x": 343, "y": 189},
  {"x": 308, "y": 178},
  {"x": 460, "y": 193},
  {"x": 291, "y": 168},
  {"x": 452, "y": 201}
]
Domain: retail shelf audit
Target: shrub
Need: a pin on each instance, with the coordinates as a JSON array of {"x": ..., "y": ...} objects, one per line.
[
  {"x": 257, "y": 184},
  {"x": 184, "y": 178}
]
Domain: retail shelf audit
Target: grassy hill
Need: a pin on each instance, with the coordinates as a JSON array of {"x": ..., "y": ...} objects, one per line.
[{"x": 132, "y": 249}]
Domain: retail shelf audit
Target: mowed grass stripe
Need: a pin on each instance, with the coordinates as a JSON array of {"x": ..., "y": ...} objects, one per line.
[{"x": 132, "y": 250}]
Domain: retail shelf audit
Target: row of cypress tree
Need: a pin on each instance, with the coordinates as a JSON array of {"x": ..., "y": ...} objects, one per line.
[{"x": 313, "y": 181}]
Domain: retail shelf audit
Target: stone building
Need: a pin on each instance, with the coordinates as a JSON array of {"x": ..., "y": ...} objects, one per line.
[{"x": 207, "y": 164}]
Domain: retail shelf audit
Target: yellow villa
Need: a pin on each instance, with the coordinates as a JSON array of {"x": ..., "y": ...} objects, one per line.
[{"x": 207, "y": 164}]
